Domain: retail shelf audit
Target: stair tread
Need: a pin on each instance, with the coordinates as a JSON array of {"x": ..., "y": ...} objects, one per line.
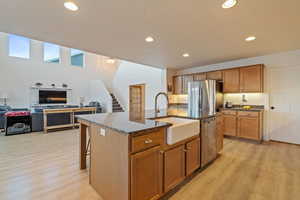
[{"x": 116, "y": 107}]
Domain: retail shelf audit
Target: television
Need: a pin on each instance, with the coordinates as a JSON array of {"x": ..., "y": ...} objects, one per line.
[{"x": 52, "y": 97}]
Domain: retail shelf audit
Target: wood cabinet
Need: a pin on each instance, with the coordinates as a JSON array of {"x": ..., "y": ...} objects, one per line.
[
  {"x": 147, "y": 174},
  {"x": 174, "y": 167},
  {"x": 177, "y": 84},
  {"x": 230, "y": 124},
  {"x": 192, "y": 156},
  {"x": 180, "y": 84},
  {"x": 242, "y": 79},
  {"x": 215, "y": 75},
  {"x": 249, "y": 125},
  {"x": 243, "y": 124},
  {"x": 231, "y": 79},
  {"x": 220, "y": 133},
  {"x": 199, "y": 76},
  {"x": 251, "y": 79},
  {"x": 146, "y": 141},
  {"x": 141, "y": 165},
  {"x": 185, "y": 80}
]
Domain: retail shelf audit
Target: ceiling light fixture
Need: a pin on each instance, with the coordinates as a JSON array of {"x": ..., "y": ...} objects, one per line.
[
  {"x": 229, "y": 4},
  {"x": 110, "y": 61},
  {"x": 71, "y": 6},
  {"x": 186, "y": 55},
  {"x": 250, "y": 38},
  {"x": 149, "y": 39}
]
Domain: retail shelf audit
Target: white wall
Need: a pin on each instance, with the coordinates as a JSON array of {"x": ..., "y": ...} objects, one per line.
[
  {"x": 130, "y": 74},
  {"x": 94, "y": 81},
  {"x": 17, "y": 75}
]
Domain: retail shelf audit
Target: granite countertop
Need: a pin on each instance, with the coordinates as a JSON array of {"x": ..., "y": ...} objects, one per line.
[
  {"x": 240, "y": 108},
  {"x": 129, "y": 123}
]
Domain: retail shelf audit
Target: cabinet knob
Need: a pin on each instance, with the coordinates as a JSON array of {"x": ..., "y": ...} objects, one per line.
[{"x": 148, "y": 141}]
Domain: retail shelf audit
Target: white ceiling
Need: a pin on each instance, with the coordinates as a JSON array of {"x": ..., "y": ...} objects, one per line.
[{"x": 117, "y": 28}]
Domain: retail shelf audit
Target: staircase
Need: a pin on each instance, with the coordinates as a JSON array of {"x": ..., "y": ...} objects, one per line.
[{"x": 116, "y": 107}]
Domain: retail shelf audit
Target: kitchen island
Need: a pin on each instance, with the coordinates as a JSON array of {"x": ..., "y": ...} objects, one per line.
[{"x": 132, "y": 157}]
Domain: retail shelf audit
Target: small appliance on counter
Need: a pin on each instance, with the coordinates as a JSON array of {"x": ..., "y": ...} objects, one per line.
[{"x": 228, "y": 104}]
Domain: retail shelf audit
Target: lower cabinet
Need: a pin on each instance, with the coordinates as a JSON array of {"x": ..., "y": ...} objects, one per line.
[
  {"x": 249, "y": 125},
  {"x": 174, "y": 167},
  {"x": 230, "y": 125},
  {"x": 180, "y": 162},
  {"x": 243, "y": 124},
  {"x": 158, "y": 169},
  {"x": 146, "y": 174},
  {"x": 192, "y": 156}
]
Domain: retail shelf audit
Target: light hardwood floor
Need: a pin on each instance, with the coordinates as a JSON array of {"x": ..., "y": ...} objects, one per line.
[{"x": 45, "y": 167}]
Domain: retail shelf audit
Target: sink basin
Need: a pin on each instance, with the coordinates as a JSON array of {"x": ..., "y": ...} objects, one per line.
[{"x": 181, "y": 128}]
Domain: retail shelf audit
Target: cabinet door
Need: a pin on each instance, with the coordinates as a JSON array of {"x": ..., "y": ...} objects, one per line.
[
  {"x": 174, "y": 167},
  {"x": 192, "y": 156},
  {"x": 185, "y": 80},
  {"x": 231, "y": 79},
  {"x": 248, "y": 127},
  {"x": 251, "y": 79},
  {"x": 220, "y": 133},
  {"x": 215, "y": 75},
  {"x": 199, "y": 77},
  {"x": 230, "y": 125},
  {"x": 146, "y": 174},
  {"x": 177, "y": 83}
]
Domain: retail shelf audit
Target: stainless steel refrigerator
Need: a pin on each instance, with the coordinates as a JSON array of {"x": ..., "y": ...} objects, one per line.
[
  {"x": 204, "y": 100},
  {"x": 204, "y": 97}
]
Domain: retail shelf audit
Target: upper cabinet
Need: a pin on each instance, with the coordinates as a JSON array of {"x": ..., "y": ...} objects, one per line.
[
  {"x": 177, "y": 85},
  {"x": 215, "y": 75},
  {"x": 251, "y": 79},
  {"x": 185, "y": 80},
  {"x": 199, "y": 76},
  {"x": 231, "y": 79},
  {"x": 236, "y": 80}
]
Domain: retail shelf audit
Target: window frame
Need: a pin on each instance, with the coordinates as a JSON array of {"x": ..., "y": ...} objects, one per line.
[
  {"x": 59, "y": 54},
  {"x": 83, "y": 58},
  {"x": 8, "y": 47}
]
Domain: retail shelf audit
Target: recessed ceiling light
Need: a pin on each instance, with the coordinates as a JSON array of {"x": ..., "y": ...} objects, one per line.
[
  {"x": 229, "y": 4},
  {"x": 71, "y": 6},
  {"x": 186, "y": 55},
  {"x": 110, "y": 61},
  {"x": 149, "y": 39},
  {"x": 250, "y": 38}
]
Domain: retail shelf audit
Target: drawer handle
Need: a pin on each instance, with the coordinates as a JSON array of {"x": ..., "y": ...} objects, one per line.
[{"x": 148, "y": 141}]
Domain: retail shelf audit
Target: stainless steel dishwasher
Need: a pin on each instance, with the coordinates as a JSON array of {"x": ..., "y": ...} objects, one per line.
[{"x": 208, "y": 140}]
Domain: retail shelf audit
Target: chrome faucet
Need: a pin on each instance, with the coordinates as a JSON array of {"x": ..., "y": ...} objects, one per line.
[{"x": 156, "y": 98}]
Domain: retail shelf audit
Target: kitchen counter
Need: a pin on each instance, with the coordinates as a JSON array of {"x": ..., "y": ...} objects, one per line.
[
  {"x": 252, "y": 109},
  {"x": 129, "y": 123},
  {"x": 131, "y": 148}
]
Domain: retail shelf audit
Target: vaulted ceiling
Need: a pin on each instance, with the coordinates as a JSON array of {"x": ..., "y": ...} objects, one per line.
[{"x": 118, "y": 28}]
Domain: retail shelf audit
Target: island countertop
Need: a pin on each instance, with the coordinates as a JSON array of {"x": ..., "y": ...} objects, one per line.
[{"x": 127, "y": 122}]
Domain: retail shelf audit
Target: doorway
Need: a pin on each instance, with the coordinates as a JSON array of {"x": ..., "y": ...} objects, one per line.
[
  {"x": 137, "y": 101},
  {"x": 284, "y": 115}
]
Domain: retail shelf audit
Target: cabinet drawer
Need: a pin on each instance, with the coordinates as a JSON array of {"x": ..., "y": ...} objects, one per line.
[
  {"x": 248, "y": 114},
  {"x": 146, "y": 141},
  {"x": 229, "y": 112}
]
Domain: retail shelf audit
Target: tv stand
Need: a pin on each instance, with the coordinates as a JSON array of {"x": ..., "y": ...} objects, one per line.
[{"x": 72, "y": 112}]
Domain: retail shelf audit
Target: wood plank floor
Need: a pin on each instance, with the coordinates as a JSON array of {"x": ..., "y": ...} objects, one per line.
[{"x": 45, "y": 167}]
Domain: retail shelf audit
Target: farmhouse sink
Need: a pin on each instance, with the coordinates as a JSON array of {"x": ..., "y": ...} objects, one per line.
[{"x": 181, "y": 128}]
